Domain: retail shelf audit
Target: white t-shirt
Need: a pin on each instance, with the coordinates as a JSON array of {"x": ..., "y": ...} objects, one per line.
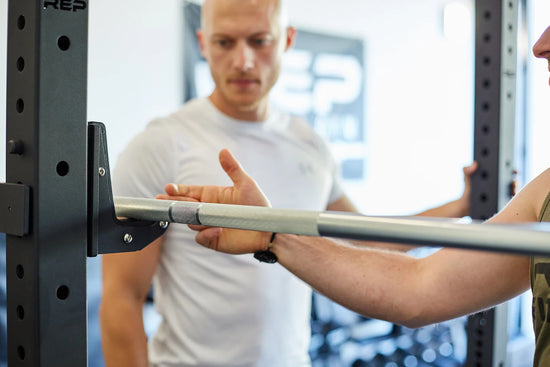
[{"x": 218, "y": 309}]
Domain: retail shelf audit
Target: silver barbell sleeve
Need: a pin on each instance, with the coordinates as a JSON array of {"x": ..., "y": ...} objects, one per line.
[{"x": 527, "y": 238}]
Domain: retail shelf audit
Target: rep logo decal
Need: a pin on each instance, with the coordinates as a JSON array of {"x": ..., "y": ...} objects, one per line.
[{"x": 66, "y": 5}]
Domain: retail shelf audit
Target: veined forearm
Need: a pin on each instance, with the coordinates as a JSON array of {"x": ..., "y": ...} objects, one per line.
[
  {"x": 399, "y": 288},
  {"x": 363, "y": 280}
]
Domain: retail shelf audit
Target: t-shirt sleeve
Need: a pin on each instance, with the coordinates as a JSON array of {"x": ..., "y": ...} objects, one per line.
[{"x": 146, "y": 165}]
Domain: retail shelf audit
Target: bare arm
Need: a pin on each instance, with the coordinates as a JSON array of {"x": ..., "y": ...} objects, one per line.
[
  {"x": 383, "y": 284},
  {"x": 126, "y": 282},
  {"x": 344, "y": 204},
  {"x": 399, "y": 288},
  {"x": 415, "y": 292},
  {"x": 454, "y": 209}
]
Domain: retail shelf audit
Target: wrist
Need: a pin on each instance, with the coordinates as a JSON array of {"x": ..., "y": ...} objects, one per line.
[
  {"x": 463, "y": 206},
  {"x": 267, "y": 255}
]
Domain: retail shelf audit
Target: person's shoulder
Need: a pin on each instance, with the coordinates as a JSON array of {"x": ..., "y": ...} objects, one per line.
[
  {"x": 162, "y": 128},
  {"x": 303, "y": 129},
  {"x": 192, "y": 109},
  {"x": 190, "y": 112},
  {"x": 294, "y": 122},
  {"x": 540, "y": 186},
  {"x": 530, "y": 202}
]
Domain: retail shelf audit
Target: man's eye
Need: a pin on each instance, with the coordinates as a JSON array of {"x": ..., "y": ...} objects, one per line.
[
  {"x": 223, "y": 43},
  {"x": 260, "y": 42}
]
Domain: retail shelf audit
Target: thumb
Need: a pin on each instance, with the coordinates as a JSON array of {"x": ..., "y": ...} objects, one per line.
[
  {"x": 209, "y": 237},
  {"x": 232, "y": 167}
]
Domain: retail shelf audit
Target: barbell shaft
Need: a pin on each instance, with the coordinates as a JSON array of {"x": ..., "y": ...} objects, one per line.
[{"x": 525, "y": 238}]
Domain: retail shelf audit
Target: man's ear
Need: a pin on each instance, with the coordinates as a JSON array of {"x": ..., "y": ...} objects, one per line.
[
  {"x": 200, "y": 38},
  {"x": 290, "y": 37}
]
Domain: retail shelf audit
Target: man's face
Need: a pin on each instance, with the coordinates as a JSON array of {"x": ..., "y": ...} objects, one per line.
[{"x": 243, "y": 42}]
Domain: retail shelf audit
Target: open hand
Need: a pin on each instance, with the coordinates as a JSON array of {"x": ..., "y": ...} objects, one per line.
[{"x": 244, "y": 191}]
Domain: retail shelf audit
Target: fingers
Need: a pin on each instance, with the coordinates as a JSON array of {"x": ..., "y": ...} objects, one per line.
[
  {"x": 469, "y": 170},
  {"x": 229, "y": 164},
  {"x": 191, "y": 193},
  {"x": 173, "y": 197},
  {"x": 197, "y": 227},
  {"x": 172, "y": 189}
]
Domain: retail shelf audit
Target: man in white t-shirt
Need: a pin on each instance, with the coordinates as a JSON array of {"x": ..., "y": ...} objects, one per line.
[{"x": 220, "y": 310}]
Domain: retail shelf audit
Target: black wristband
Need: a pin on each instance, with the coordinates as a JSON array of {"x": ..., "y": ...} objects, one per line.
[{"x": 266, "y": 256}]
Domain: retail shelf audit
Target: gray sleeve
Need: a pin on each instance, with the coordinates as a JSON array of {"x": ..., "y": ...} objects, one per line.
[{"x": 146, "y": 165}]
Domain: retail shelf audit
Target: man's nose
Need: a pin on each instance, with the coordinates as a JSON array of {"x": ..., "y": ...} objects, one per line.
[
  {"x": 244, "y": 57},
  {"x": 542, "y": 46}
]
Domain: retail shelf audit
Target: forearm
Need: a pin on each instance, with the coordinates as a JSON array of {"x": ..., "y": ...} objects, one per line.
[
  {"x": 453, "y": 209},
  {"x": 399, "y": 288},
  {"x": 350, "y": 276},
  {"x": 122, "y": 333},
  {"x": 384, "y": 245}
]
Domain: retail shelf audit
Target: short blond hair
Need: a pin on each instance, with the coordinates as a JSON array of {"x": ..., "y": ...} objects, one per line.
[{"x": 282, "y": 13}]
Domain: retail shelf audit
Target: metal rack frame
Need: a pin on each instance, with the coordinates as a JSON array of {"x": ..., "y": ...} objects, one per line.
[{"x": 494, "y": 125}]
